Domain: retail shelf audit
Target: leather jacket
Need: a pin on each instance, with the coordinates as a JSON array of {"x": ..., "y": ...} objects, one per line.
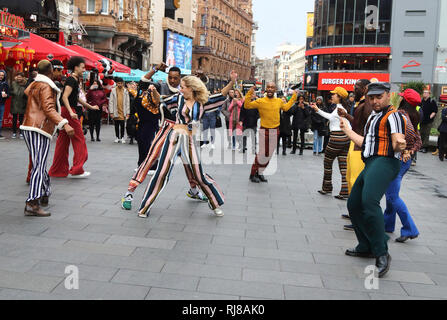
[{"x": 42, "y": 110}]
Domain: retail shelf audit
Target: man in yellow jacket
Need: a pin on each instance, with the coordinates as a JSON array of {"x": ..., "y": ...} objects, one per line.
[{"x": 269, "y": 111}]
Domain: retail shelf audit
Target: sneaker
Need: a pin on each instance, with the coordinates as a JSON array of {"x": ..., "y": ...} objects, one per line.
[
  {"x": 143, "y": 215},
  {"x": 126, "y": 202},
  {"x": 14, "y": 135},
  {"x": 81, "y": 176},
  {"x": 117, "y": 140},
  {"x": 218, "y": 212},
  {"x": 213, "y": 146},
  {"x": 21, "y": 136},
  {"x": 150, "y": 172},
  {"x": 199, "y": 196},
  {"x": 204, "y": 146},
  {"x": 123, "y": 141}
]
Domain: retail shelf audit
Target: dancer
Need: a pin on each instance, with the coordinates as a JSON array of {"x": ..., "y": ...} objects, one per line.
[
  {"x": 394, "y": 204},
  {"x": 381, "y": 149},
  {"x": 181, "y": 141},
  {"x": 70, "y": 99},
  {"x": 170, "y": 113},
  {"x": 269, "y": 112},
  {"x": 338, "y": 145},
  {"x": 41, "y": 118}
]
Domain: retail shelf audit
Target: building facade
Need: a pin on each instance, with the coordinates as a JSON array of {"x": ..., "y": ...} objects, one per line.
[
  {"x": 223, "y": 40},
  {"x": 297, "y": 65},
  {"x": 352, "y": 40},
  {"x": 284, "y": 52},
  {"x": 265, "y": 71}
]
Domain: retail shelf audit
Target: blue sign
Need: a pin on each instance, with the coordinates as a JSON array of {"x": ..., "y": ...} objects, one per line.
[{"x": 179, "y": 52}]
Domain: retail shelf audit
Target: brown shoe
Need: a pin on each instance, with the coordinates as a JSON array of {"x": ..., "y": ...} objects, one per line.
[
  {"x": 33, "y": 209},
  {"x": 436, "y": 152},
  {"x": 44, "y": 201}
]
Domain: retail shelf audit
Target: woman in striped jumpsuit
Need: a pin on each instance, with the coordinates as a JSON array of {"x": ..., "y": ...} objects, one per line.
[
  {"x": 338, "y": 146},
  {"x": 180, "y": 140}
]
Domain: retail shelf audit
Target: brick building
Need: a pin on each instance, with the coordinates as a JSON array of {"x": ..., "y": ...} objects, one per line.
[{"x": 223, "y": 40}]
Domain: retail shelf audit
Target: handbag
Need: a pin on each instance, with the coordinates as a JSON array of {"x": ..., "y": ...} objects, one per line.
[{"x": 218, "y": 121}]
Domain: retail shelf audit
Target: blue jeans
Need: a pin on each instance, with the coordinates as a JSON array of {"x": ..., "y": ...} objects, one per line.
[
  {"x": 318, "y": 142},
  {"x": 209, "y": 123},
  {"x": 2, "y": 111},
  {"x": 394, "y": 204}
]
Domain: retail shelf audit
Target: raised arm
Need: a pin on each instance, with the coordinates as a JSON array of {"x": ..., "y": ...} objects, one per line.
[
  {"x": 321, "y": 112},
  {"x": 251, "y": 104},
  {"x": 286, "y": 106},
  {"x": 230, "y": 85}
]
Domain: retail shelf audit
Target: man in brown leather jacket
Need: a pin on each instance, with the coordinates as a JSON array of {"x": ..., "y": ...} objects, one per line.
[{"x": 42, "y": 117}]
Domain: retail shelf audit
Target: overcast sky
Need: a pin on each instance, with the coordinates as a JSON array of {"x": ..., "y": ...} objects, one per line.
[{"x": 280, "y": 21}]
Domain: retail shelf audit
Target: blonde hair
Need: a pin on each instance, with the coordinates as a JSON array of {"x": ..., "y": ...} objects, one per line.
[
  {"x": 200, "y": 92},
  {"x": 240, "y": 93}
]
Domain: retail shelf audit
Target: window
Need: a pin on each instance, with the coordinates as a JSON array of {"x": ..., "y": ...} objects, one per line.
[
  {"x": 105, "y": 7},
  {"x": 202, "y": 40},
  {"x": 416, "y": 13},
  {"x": 413, "y": 54},
  {"x": 120, "y": 9},
  {"x": 414, "y": 33},
  {"x": 203, "y": 20},
  {"x": 135, "y": 10},
  {"x": 91, "y": 6}
]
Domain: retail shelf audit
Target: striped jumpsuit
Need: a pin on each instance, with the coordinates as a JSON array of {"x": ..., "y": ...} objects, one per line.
[{"x": 175, "y": 140}]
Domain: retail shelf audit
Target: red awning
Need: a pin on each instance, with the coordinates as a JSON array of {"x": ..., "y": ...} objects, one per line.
[
  {"x": 96, "y": 57},
  {"x": 44, "y": 48}
]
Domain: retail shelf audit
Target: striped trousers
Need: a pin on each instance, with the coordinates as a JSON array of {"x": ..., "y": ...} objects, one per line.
[
  {"x": 338, "y": 147},
  {"x": 153, "y": 155},
  {"x": 39, "y": 147},
  {"x": 180, "y": 143}
]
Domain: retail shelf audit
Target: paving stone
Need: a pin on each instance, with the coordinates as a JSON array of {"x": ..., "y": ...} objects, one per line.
[
  {"x": 91, "y": 247},
  {"x": 203, "y": 270},
  {"x": 170, "y": 255},
  {"x": 240, "y": 288},
  {"x": 243, "y": 262},
  {"x": 141, "y": 242},
  {"x": 170, "y": 294},
  {"x": 27, "y": 281},
  {"x": 243, "y": 242},
  {"x": 305, "y": 293},
  {"x": 75, "y": 235},
  {"x": 33, "y": 241},
  {"x": 156, "y": 279},
  {"x": 423, "y": 290},
  {"x": 286, "y": 278},
  {"x": 358, "y": 284}
]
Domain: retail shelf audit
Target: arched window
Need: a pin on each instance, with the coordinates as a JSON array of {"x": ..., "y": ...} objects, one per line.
[{"x": 120, "y": 9}]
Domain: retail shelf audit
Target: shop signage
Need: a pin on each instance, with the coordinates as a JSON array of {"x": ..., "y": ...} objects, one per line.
[
  {"x": 329, "y": 81},
  {"x": 411, "y": 64},
  {"x": 11, "y": 20}
]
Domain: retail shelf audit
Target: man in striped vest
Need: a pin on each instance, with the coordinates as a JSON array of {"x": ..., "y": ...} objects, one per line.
[{"x": 382, "y": 144}]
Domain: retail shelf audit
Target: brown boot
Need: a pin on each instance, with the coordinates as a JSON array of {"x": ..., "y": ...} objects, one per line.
[
  {"x": 436, "y": 153},
  {"x": 44, "y": 201},
  {"x": 33, "y": 209}
]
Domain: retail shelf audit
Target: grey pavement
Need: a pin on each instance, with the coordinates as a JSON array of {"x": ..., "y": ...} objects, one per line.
[{"x": 280, "y": 240}]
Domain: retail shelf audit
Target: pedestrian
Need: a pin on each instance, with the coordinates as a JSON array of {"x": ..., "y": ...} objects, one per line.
[
  {"x": 70, "y": 97},
  {"x": 269, "y": 112},
  {"x": 4, "y": 92},
  {"x": 429, "y": 111},
  {"x": 338, "y": 145},
  {"x": 226, "y": 114},
  {"x": 169, "y": 112},
  {"x": 132, "y": 122},
  {"x": 301, "y": 113},
  {"x": 362, "y": 111},
  {"x": 209, "y": 121},
  {"x": 18, "y": 102},
  {"x": 41, "y": 119},
  {"x": 236, "y": 125},
  {"x": 249, "y": 120},
  {"x": 119, "y": 108},
  {"x": 382, "y": 144},
  {"x": 58, "y": 69},
  {"x": 351, "y": 104},
  {"x": 96, "y": 97},
  {"x": 285, "y": 130},
  {"x": 394, "y": 204},
  {"x": 443, "y": 136},
  {"x": 318, "y": 126},
  {"x": 181, "y": 141}
]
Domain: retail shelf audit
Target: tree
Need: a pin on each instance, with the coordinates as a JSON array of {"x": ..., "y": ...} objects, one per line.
[{"x": 418, "y": 86}]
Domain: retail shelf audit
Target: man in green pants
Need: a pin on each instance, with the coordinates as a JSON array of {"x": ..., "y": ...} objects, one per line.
[{"x": 381, "y": 150}]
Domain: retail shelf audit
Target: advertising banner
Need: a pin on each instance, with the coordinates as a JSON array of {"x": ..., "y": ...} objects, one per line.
[
  {"x": 329, "y": 81},
  {"x": 179, "y": 52}
]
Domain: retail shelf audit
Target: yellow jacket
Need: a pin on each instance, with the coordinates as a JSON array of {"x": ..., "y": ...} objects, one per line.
[{"x": 269, "y": 109}]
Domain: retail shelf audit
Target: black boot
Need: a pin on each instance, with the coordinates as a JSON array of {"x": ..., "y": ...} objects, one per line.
[
  {"x": 254, "y": 179},
  {"x": 383, "y": 264},
  {"x": 301, "y": 152},
  {"x": 262, "y": 178},
  {"x": 293, "y": 151}
]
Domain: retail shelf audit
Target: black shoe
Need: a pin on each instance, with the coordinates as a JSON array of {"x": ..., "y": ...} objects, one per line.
[
  {"x": 354, "y": 253},
  {"x": 348, "y": 227},
  {"x": 383, "y": 264},
  {"x": 301, "y": 152},
  {"x": 262, "y": 178},
  {"x": 404, "y": 239},
  {"x": 441, "y": 159},
  {"x": 93, "y": 139},
  {"x": 284, "y": 153},
  {"x": 97, "y": 139},
  {"x": 293, "y": 152},
  {"x": 254, "y": 179},
  {"x": 424, "y": 150},
  {"x": 315, "y": 153},
  {"x": 346, "y": 216}
]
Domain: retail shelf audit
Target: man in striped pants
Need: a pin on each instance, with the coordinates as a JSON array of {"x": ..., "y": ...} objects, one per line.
[{"x": 41, "y": 118}]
